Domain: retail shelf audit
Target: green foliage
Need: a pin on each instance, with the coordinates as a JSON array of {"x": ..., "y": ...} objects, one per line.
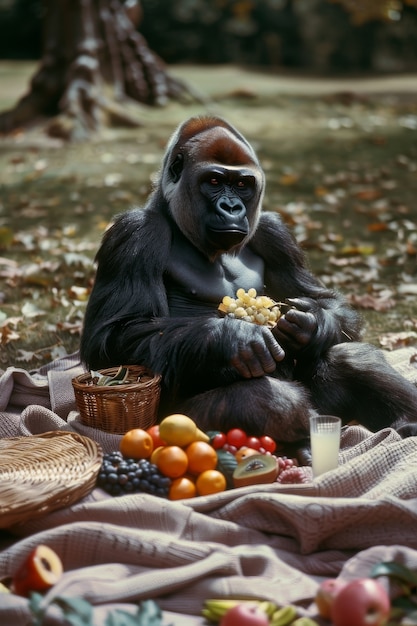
[
  {"x": 79, "y": 612},
  {"x": 396, "y": 571},
  {"x": 120, "y": 378},
  {"x": 404, "y": 580}
]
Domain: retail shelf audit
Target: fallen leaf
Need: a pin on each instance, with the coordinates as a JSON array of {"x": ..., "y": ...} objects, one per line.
[
  {"x": 6, "y": 237},
  {"x": 368, "y": 194},
  {"x": 377, "y": 227},
  {"x": 7, "y": 335},
  {"x": 79, "y": 293},
  {"x": 407, "y": 289},
  {"x": 359, "y": 249},
  {"x": 31, "y": 310},
  {"x": 321, "y": 191},
  {"x": 393, "y": 341},
  {"x": 72, "y": 328},
  {"x": 367, "y": 301},
  {"x": 26, "y": 356},
  {"x": 289, "y": 179}
]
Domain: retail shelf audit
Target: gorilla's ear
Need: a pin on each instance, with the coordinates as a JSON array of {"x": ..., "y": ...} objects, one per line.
[{"x": 176, "y": 167}]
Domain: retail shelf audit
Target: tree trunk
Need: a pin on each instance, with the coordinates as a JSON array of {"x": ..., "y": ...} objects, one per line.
[{"x": 94, "y": 70}]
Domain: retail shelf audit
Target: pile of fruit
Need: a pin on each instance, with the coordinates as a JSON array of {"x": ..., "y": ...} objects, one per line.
[
  {"x": 176, "y": 460},
  {"x": 358, "y": 602}
]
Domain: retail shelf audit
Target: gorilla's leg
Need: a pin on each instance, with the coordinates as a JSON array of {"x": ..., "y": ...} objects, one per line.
[
  {"x": 280, "y": 409},
  {"x": 356, "y": 383}
]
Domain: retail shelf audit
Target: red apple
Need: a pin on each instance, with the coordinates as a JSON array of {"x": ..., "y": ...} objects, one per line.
[
  {"x": 245, "y": 615},
  {"x": 362, "y": 602},
  {"x": 326, "y": 594},
  {"x": 41, "y": 569}
]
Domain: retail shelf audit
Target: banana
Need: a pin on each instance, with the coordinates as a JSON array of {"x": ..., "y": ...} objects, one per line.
[
  {"x": 214, "y": 609},
  {"x": 304, "y": 621},
  {"x": 210, "y": 616},
  {"x": 268, "y": 607},
  {"x": 4, "y": 589},
  {"x": 221, "y": 604},
  {"x": 284, "y": 616}
]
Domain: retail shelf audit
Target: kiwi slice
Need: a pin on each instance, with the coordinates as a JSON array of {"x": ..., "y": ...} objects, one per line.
[{"x": 256, "y": 469}]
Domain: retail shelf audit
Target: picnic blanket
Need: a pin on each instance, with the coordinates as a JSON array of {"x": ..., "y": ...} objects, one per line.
[{"x": 273, "y": 542}]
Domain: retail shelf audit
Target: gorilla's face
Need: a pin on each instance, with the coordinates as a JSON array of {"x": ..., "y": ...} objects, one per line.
[
  {"x": 214, "y": 187},
  {"x": 228, "y": 193}
]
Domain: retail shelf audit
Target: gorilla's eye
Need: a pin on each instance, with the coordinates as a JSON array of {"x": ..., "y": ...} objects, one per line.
[
  {"x": 241, "y": 183},
  {"x": 214, "y": 181}
]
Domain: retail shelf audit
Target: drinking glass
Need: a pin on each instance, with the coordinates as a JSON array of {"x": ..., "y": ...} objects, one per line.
[{"x": 325, "y": 442}]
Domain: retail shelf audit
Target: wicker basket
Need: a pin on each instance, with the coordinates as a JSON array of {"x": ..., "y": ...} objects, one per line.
[
  {"x": 42, "y": 473},
  {"x": 120, "y": 408}
]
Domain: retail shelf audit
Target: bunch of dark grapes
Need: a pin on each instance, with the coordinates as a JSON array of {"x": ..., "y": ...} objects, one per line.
[{"x": 119, "y": 476}]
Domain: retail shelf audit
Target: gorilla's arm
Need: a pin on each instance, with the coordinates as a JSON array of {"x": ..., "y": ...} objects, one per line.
[
  {"x": 127, "y": 318},
  {"x": 128, "y": 284},
  {"x": 319, "y": 318},
  {"x": 198, "y": 353}
]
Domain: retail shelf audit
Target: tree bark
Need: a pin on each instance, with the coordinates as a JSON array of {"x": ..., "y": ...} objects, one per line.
[{"x": 94, "y": 66}]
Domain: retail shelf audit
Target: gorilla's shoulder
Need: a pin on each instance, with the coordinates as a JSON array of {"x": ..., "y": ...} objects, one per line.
[
  {"x": 135, "y": 232},
  {"x": 272, "y": 230},
  {"x": 274, "y": 240},
  {"x": 130, "y": 221},
  {"x": 271, "y": 220},
  {"x": 137, "y": 222}
]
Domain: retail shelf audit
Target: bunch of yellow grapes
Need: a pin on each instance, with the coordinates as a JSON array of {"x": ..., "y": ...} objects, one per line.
[{"x": 250, "y": 307}]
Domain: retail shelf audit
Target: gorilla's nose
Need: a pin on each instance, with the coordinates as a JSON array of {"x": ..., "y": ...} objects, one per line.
[{"x": 232, "y": 207}]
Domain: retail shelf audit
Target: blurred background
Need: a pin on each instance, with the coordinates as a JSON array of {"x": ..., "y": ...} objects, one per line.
[{"x": 315, "y": 36}]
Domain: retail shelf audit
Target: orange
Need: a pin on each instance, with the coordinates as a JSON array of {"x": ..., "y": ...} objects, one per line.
[
  {"x": 210, "y": 481},
  {"x": 201, "y": 457},
  {"x": 155, "y": 454},
  {"x": 172, "y": 461},
  {"x": 182, "y": 488},
  {"x": 136, "y": 444}
]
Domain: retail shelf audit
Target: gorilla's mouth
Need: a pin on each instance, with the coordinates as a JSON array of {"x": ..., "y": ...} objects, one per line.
[{"x": 225, "y": 239}]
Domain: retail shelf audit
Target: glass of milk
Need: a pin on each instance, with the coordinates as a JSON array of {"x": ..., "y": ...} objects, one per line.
[{"x": 325, "y": 442}]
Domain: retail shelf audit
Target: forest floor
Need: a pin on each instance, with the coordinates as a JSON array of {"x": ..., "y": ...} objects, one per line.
[{"x": 340, "y": 157}]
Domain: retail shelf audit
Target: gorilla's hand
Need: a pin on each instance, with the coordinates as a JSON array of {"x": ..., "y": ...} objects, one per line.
[
  {"x": 298, "y": 326},
  {"x": 255, "y": 350}
]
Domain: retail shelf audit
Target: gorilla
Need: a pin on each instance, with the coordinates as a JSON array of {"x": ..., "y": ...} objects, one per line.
[{"x": 162, "y": 271}]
